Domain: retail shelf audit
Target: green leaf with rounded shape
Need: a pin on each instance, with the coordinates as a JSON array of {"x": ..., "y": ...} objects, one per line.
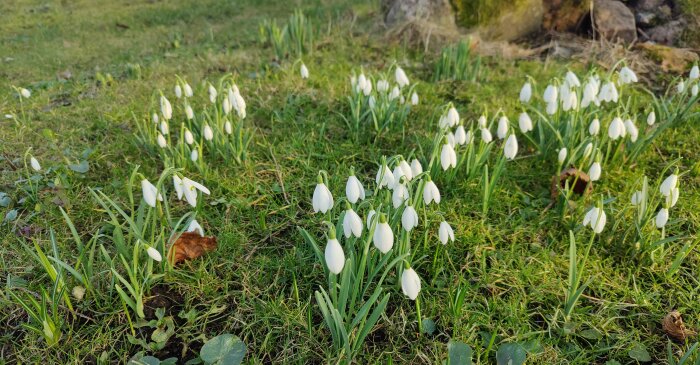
[
  {"x": 223, "y": 349},
  {"x": 459, "y": 353},
  {"x": 428, "y": 326},
  {"x": 11, "y": 215},
  {"x": 639, "y": 352},
  {"x": 80, "y": 168},
  {"x": 511, "y": 354}
]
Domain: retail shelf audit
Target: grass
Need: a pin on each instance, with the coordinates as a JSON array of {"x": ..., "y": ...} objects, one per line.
[{"x": 259, "y": 283}]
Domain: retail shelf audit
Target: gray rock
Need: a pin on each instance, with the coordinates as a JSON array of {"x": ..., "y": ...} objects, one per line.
[
  {"x": 613, "y": 20},
  {"x": 667, "y": 33},
  {"x": 649, "y": 5},
  {"x": 438, "y": 12}
]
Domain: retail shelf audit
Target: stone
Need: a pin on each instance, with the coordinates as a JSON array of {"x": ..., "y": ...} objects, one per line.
[
  {"x": 645, "y": 19},
  {"x": 565, "y": 15},
  {"x": 670, "y": 58},
  {"x": 518, "y": 21},
  {"x": 667, "y": 33},
  {"x": 614, "y": 21},
  {"x": 438, "y": 12},
  {"x": 649, "y": 5}
]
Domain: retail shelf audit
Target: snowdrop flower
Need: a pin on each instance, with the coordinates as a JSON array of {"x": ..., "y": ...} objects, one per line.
[
  {"x": 208, "y": 132},
  {"x": 165, "y": 108},
  {"x": 526, "y": 93},
  {"x": 511, "y": 147},
  {"x": 446, "y": 233},
  {"x": 572, "y": 79},
  {"x": 155, "y": 118},
  {"x": 524, "y": 122},
  {"x": 384, "y": 177},
  {"x": 237, "y": 102},
  {"x": 661, "y": 218},
  {"x": 452, "y": 117},
  {"x": 694, "y": 73},
  {"x": 188, "y": 90},
  {"x": 595, "y": 218},
  {"x": 451, "y": 139},
  {"x": 25, "y": 93},
  {"x": 414, "y": 98},
  {"x": 561, "y": 157},
  {"x": 372, "y": 102},
  {"x": 189, "y": 138},
  {"x": 460, "y": 135},
  {"x": 35, "y": 164},
  {"x": 550, "y": 94},
  {"x": 189, "y": 112},
  {"x": 395, "y": 93},
  {"x": 228, "y": 127},
  {"x": 383, "y": 236},
  {"x": 595, "y": 171},
  {"x": 405, "y": 169},
  {"x": 212, "y": 94},
  {"x": 322, "y": 200},
  {"x": 594, "y": 127},
  {"x": 410, "y": 283},
  {"x": 681, "y": 86},
  {"x": 354, "y": 190},
  {"x": 401, "y": 77},
  {"x": 668, "y": 184},
  {"x": 150, "y": 193},
  {"x": 162, "y": 143},
  {"x": 616, "y": 129},
  {"x": 672, "y": 199},
  {"x": 154, "y": 254},
  {"x": 352, "y": 223},
  {"x": 304, "y": 71},
  {"x": 482, "y": 121},
  {"x": 651, "y": 118},
  {"x": 551, "y": 108},
  {"x": 431, "y": 192},
  {"x": 627, "y": 76},
  {"x": 409, "y": 218},
  {"x": 400, "y": 194},
  {"x": 587, "y": 150},
  {"x": 636, "y": 198},
  {"x": 370, "y": 215},
  {"x": 195, "y": 227},
  {"x": 608, "y": 93},
  {"x": 189, "y": 190},
  {"x": 416, "y": 167},
  {"x": 502, "y": 129},
  {"x": 448, "y": 157},
  {"x": 178, "y": 91},
  {"x": 334, "y": 255},
  {"x": 194, "y": 155},
  {"x": 631, "y": 130},
  {"x": 571, "y": 101},
  {"x": 590, "y": 92},
  {"x": 486, "y": 135},
  {"x": 164, "y": 127},
  {"x": 382, "y": 86},
  {"x": 179, "y": 186},
  {"x": 694, "y": 90}
]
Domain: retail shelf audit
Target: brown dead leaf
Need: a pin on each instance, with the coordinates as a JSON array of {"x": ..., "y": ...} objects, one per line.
[
  {"x": 190, "y": 245},
  {"x": 578, "y": 181},
  {"x": 674, "y": 327}
]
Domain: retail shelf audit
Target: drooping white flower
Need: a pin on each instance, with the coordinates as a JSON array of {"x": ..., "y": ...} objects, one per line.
[
  {"x": 661, "y": 218},
  {"x": 551, "y": 108},
  {"x": 150, "y": 193},
  {"x": 668, "y": 184},
  {"x": 154, "y": 254},
  {"x": 25, "y": 93},
  {"x": 452, "y": 117},
  {"x": 414, "y": 98},
  {"x": 188, "y": 90},
  {"x": 208, "y": 132},
  {"x": 502, "y": 130},
  {"x": 162, "y": 143},
  {"x": 572, "y": 80},
  {"x": 594, "y": 127},
  {"x": 382, "y": 86},
  {"x": 460, "y": 135},
  {"x": 383, "y": 236},
  {"x": 694, "y": 90},
  {"x": 409, "y": 218},
  {"x": 400, "y": 194},
  {"x": 608, "y": 93},
  {"x": 637, "y": 198},
  {"x": 164, "y": 127},
  {"x": 627, "y": 76},
  {"x": 189, "y": 190},
  {"x": 228, "y": 127},
  {"x": 322, "y": 200},
  {"x": 410, "y": 283},
  {"x": 155, "y": 118},
  {"x": 165, "y": 108},
  {"x": 35, "y": 164},
  {"x": 694, "y": 73},
  {"x": 486, "y": 135},
  {"x": 672, "y": 199},
  {"x": 367, "y": 89},
  {"x": 395, "y": 93},
  {"x": 189, "y": 113},
  {"x": 616, "y": 129},
  {"x": 237, "y": 102},
  {"x": 334, "y": 255},
  {"x": 384, "y": 177},
  {"x": 681, "y": 86},
  {"x": 195, "y": 227},
  {"x": 587, "y": 150},
  {"x": 431, "y": 192},
  {"x": 524, "y": 122},
  {"x": 561, "y": 157},
  {"x": 595, "y": 218},
  {"x": 179, "y": 188},
  {"x": 406, "y": 170},
  {"x": 194, "y": 155},
  {"x": 595, "y": 171},
  {"x": 178, "y": 91},
  {"x": 352, "y": 224},
  {"x": 526, "y": 93},
  {"x": 372, "y": 213},
  {"x": 212, "y": 94},
  {"x": 354, "y": 190},
  {"x": 510, "y": 149},
  {"x": 482, "y": 121},
  {"x": 416, "y": 167},
  {"x": 651, "y": 118},
  {"x": 189, "y": 137},
  {"x": 446, "y": 233},
  {"x": 304, "y": 71},
  {"x": 448, "y": 157},
  {"x": 571, "y": 101},
  {"x": 590, "y": 93},
  {"x": 226, "y": 106},
  {"x": 401, "y": 77},
  {"x": 631, "y": 130},
  {"x": 550, "y": 94}
]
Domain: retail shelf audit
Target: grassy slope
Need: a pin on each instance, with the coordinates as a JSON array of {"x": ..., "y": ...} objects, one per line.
[{"x": 513, "y": 266}]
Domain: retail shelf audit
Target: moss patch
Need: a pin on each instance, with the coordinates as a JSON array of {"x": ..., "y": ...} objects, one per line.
[{"x": 471, "y": 13}]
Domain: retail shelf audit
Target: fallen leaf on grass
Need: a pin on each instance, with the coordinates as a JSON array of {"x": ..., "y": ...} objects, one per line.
[
  {"x": 577, "y": 179},
  {"x": 674, "y": 327},
  {"x": 190, "y": 245}
]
